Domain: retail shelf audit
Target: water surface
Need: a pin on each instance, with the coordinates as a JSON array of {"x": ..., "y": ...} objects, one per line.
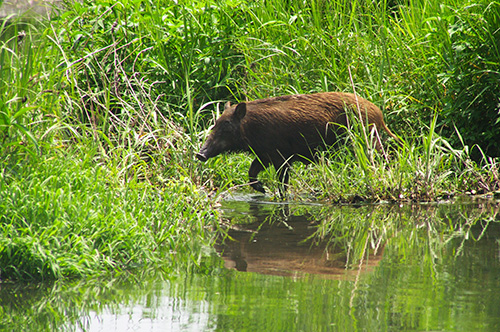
[{"x": 299, "y": 267}]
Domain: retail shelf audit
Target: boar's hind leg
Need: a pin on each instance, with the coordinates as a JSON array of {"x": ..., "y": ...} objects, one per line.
[{"x": 256, "y": 167}]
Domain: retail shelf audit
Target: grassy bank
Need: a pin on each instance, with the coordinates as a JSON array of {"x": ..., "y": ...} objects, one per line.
[
  {"x": 64, "y": 216},
  {"x": 104, "y": 103}
]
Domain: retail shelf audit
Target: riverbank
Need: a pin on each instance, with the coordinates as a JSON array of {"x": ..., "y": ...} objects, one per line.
[{"x": 104, "y": 105}]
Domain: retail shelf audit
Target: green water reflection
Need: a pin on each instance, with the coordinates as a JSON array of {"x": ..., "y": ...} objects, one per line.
[{"x": 409, "y": 268}]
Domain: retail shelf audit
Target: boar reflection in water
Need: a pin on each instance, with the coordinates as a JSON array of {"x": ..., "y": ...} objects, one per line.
[
  {"x": 285, "y": 129},
  {"x": 279, "y": 249}
]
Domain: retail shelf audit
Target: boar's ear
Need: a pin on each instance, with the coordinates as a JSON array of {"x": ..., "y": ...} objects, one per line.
[
  {"x": 240, "y": 111},
  {"x": 227, "y": 105}
]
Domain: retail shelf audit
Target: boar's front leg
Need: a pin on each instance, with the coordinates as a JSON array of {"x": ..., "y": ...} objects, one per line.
[{"x": 256, "y": 167}]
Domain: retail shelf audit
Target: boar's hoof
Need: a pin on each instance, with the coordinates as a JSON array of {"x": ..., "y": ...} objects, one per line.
[
  {"x": 201, "y": 157},
  {"x": 257, "y": 185}
]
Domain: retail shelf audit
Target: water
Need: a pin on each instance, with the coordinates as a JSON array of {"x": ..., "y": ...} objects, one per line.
[{"x": 300, "y": 267}]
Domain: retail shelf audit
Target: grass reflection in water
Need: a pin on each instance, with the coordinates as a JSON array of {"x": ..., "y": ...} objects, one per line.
[{"x": 327, "y": 268}]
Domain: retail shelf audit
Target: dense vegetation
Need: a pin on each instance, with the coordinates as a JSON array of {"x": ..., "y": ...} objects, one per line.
[{"x": 103, "y": 103}]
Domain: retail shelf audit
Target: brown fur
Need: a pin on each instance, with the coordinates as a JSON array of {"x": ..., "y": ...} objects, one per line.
[{"x": 285, "y": 129}]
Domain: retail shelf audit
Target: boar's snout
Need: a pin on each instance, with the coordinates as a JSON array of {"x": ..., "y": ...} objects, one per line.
[{"x": 201, "y": 156}]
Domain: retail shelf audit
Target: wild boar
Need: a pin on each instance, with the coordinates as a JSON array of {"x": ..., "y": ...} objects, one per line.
[{"x": 285, "y": 129}]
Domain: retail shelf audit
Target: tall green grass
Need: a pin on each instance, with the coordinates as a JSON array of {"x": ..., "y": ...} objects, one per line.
[
  {"x": 94, "y": 177},
  {"x": 124, "y": 64},
  {"x": 411, "y": 58}
]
